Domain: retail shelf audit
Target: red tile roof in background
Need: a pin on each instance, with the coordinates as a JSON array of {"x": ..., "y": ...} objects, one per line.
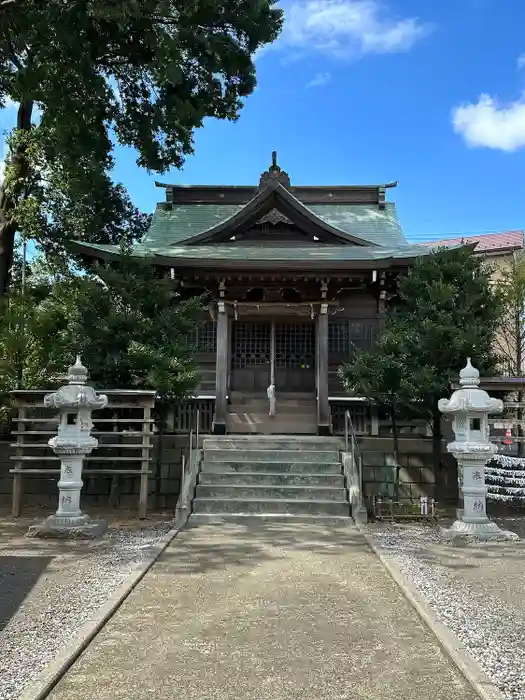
[{"x": 508, "y": 240}]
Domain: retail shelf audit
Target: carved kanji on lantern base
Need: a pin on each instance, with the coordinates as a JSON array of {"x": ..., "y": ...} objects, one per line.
[
  {"x": 75, "y": 401},
  {"x": 470, "y": 407}
]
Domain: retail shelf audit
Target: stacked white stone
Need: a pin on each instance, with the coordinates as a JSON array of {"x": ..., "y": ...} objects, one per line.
[{"x": 505, "y": 479}]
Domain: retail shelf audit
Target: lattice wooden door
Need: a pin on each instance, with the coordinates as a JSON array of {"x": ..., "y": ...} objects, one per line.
[
  {"x": 251, "y": 352},
  {"x": 295, "y": 357}
]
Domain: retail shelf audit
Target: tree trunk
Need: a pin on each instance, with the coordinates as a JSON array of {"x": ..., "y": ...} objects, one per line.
[
  {"x": 11, "y": 189},
  {"x": 395, "y": 438},
  {"x": 7, "y": 245}
]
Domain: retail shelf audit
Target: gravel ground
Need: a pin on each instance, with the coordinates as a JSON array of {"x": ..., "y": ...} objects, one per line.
[
  {"x": 477, "y": 592},
  {"x": 48, "y": 590}
]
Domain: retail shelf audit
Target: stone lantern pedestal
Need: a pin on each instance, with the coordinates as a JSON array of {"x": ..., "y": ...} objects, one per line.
[
  {"x": 72, "y": 444},
  {"x": 470, "y": 407}
]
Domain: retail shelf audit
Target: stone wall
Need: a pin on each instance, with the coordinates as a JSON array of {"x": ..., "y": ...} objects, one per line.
[
  {"x": 416, "y": 476},
  {"x": 164, "y": 483}
]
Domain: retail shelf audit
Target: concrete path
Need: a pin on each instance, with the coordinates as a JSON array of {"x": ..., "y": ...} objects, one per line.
[{"x": 265, "y": 611}]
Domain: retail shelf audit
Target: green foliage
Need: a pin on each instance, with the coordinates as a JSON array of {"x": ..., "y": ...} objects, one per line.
[
  {"x": 380, "y": 375},
  {"x": 57, "y": 205},
  {"x": 131, "y": 327},
  {"x": 129, "y": 323},
  {"x": 35, "y": 343},
  {"x": 447, "y": 311},
  {"x": 84, "y": 74}
]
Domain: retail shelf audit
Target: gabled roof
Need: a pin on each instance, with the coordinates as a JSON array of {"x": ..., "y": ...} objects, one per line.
[
  {"x": 485, "y": 243},
  {"x": 179, "y": 223},
  {"x": 345, "y": 227},
  {"x": 274, "y": 196}
]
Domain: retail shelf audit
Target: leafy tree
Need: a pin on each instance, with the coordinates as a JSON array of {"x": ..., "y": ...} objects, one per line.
[
  {"x": 381, "y": 377},
  {"x": 446, "y": 311},
  {"x": 128, "y": 321},
  {"x": 35, "y": 342},
  {"x": 131, "y": 327},
  {"x": 146, "y": 73}
]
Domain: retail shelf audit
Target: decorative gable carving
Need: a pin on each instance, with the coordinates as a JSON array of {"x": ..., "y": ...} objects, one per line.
[{"x": 274, "y": 217}]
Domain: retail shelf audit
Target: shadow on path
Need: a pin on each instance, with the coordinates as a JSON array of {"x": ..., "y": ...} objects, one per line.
[
  {"x": 203, "y": 547},
  {"x": 18, "y": 575}
]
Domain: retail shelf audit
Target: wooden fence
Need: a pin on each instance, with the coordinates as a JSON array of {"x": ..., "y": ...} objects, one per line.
[{"x": 123, "y": 429}]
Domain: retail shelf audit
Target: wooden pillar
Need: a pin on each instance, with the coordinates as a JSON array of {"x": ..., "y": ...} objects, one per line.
[
  {"x": 144, "y": 471},
  {"x": 18, "y": 486},
  {"x": 221, "y": 373},
  {"x": 323, "y": 407}
]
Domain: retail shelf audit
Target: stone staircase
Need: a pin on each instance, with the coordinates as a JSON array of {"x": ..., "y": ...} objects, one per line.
[
  {"x": 296, "y": 414},
  {"x": 276, "y": 476}
]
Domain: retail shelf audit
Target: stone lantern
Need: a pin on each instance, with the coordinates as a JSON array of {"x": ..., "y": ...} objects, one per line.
[
  {"x": 470, "y": 407},
  {"x": 73, "y": 442}
]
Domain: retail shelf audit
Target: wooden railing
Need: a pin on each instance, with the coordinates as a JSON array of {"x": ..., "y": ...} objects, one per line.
[
  {"x": 368, "y": 420},
  {"x": 123, "y": 429},
  {"x": 196, "y": 414}
]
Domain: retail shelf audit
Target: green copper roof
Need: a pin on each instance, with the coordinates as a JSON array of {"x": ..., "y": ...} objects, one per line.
[
  {"x": 322, "y": 252},
  {"x": 379, "y": 226},
  {"x": 238, "y": 253},
  {"x": 183, "y": 221}
]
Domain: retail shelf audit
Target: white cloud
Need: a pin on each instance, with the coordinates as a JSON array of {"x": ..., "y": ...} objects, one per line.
[
  {"x": 347, "y": 28},
  {"x": 521, "y": 61},
  {"x": 490, "y": 124},
  {"x": 319, "y": 80}
]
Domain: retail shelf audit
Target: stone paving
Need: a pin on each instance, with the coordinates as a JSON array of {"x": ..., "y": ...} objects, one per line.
[{"x": 265, "y": 611}]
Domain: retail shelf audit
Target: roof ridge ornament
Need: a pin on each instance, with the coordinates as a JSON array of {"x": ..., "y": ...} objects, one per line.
[{"x": 274, "y": 174}]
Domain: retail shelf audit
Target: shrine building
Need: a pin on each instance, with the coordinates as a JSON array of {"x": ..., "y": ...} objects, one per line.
[{"x": 297, "y": 278}]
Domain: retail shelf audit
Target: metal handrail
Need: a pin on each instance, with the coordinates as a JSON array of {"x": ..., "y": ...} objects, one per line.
[
  {"x": 352, "y": 446},
  {"x": 182, "y": 480},
  {"x": 197, "y": 429}
]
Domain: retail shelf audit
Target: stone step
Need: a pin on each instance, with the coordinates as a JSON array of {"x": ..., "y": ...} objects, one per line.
[
  {"x": 197, "y": 519},
  {"x": 274, "y": 442},
  {"x": 259, "y": 425},
  {"x": 270, "y": 506},
  {"x": 267, "y": 455},
  {"x": 282, "y": 409},
  {"x": 246, "y": 396},
  {"x": 271, "y": 467},
  {"x": 287, "y": 493},
  {"x": 261, "y": 479}
]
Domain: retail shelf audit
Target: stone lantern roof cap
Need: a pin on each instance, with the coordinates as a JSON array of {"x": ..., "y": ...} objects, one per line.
[
  {"x": 76, "y": 394},
  {"x": 77, "y": 373},
  {"x": 470, "y": 398},
  {"x": 469, "y": 375}
]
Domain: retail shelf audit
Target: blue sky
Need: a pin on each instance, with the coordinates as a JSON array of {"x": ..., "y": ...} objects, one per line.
[{"x": 431, "y": 94}]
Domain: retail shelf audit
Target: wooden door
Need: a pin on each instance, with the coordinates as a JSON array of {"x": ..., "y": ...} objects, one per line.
[
  {"x": 250, "y": 357},
  {"x": 295, "y": 357}
]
